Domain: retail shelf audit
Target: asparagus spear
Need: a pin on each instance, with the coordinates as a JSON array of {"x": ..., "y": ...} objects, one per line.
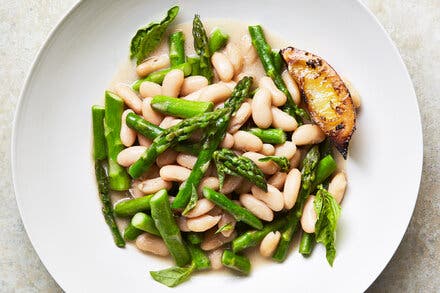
[
  {"x": 114, "y": 106},
  {"x": 159, "y": 75},
  {"x": 195, "y": 65},
  {"x": 277, "y": 61},
  {"x": 213, "y": 139},
  {"x": 201, "y": 46},
  {"x": 265, "y": 53},
  {"x": 168, "y": 229},
  {"x": 194, "y": 237},
  {"x": 306, "y": 244},
  {"x": 238, "y": 212},
  {"x": 99, "y": 143},
  {"x": 131, "y": 232},
  {"x": 282, "y": 162},
  {"x": 239, "y": 263},
  {"x": 199, "y": 258},
  {"x": 227, "y": 162},
  {"x": 145, "y": 223},
  {"x": 179, "y": 107},
  {"x": 129, "y": 207},
  {"x": 270, "y": 135},
  {"x": 171, "y": 137},
  {"x": 177, "y": 48},
  {"x": 217, "y": 40}
]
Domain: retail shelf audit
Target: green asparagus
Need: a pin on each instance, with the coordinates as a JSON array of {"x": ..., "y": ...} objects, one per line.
[
  {"x": 324, "y": 169},
  {"x": 199, "y": 257},
  {"x": 99, "y": 143},
  {"x": 194, "y": 237},
  {"x": 238, "y": 212},
  {"x": 158, "y": 76},
  {"x": 239, "y": 263},
  {"x": 270, "y": 135},
  {"x": 131, "y": 232},
  {"x": 277, "y": 61},
  {"x": 201, "y": 46},
  {"x": 177, "y": 48},
  {"x": 282, "y": 162},
  {"x": 129, "y": 207},
  {"x": 145, "y": 223},
  {"x": 307, "y": 243},
  {"x": 195, "y": 65},
  {"x": 114, "y": 106},
  {"x": 217, "y": 40},
  {"x": 179, "y": 107},
  {"x": 168, "y": 229}
]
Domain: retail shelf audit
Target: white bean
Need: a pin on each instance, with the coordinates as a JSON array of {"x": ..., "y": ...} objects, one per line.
[
  {"x": 281, "y": 119},
  {"x": 234, "y": 56},
  {"x": 278, "y": 97},
  {"x": 228, "y": 141},
  {"x": 245, "y": 187},
  {"x": 202, "y": 207},
  {"x": 287, "y": 149},
  {"x": 150, "y": 89},
  {"x": 257, "y": 207},
  {"x": 166, "y": 158},
  {"x": 291, "y": 188},
  {"x": 131, "y": 99},
  {"x": 183, "y": 226},
  {"x": 174, "y": 173},
  {"x": 149, "y": 114},
  {"x": 273, "y": 198},
  {"x": 296, "y": 159},
  {"x": 261, "y": 108},
  {"x": 355, "y": 96},
  {"x": 247, "y": 49},
  {"x": 337, "y": 186},
  {"x": 152, "y": 64},
  {"x": 246, "y": 141},
  {"x": 230, "y": 184},
  {"x": 134, "y": 190},
  {"x": 172, "y": 83},
  {"x": 130, "y": 155},
  {"x": 128, "y": 135},
  {"x": 150, "y": 243},
  {"x": 268, "y": 167},
  {"x": 169, "y": 121},
  {"x": 153, "y": 172},
  {"x": 192, "y": 84},
  {"x": 186, "y": 160},
  {"x": 230, "y": 84},
  {"x": 222, "y": 66},
  {"x": 213, "y": 241},
  {"x": 227, "y": 219},
  {"x": 308, "y": 134},
  {"x": 292, "y": 87},
  {"x": 202, "y": 223},
  {"x": 211, "y": 182},
  {"x": 195, "y": 96},
  {"x": 277, "y": 180},
  {"x": 215, "y": 93},
  {"x": 309, "y": 217},
  {"x": 241, "y": 116},
  {"x": 150, "y": 186},
  {"x": 269, "y": 243},
  {"x": 215, "y": 257},
  {"x": 267, "y": 149}
]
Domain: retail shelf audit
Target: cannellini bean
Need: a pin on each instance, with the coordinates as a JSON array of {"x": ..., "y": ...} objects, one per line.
[
  {"x": 150, "y": 89},
  {"x": 291, "y": 188},
  {"x": 149, "y": 114},
  {"x": 152, "y": 64},
  {"x": 246, "y": 141},
  {"x": 337, "y": 186},
  {"x": 296, "y": 159},
  {"x": 213, "y": 241},
  {"x": 230, "y": 184},
  {"x": 222, "y": 66},
  {"x": 273, "y": 198},
  {"x": 192, "y": 84},
  {"x": 234, "y": 55},
  {"x": 215, "y": 257},
  {"x": 130, "y": 155},
  {"x": 281, "y": 119},
  {"x": 286, "y": 149},
  {"x": 183, "y": 226},
  {"x": 308, "y": 134},
  {"x": 153, "y": 244},
  {"x": 278, "y": 97},
  {"x": 172, "y": 83},
  {"x": 230, "y": 84},
  {"x": 186, "y": 160},
  {"x": 245, "y": 187},
  {"x": 202, "y": 207},
  {"x": 150, "y": 186},
  {"x": 240, "y": 118},
  {"x": 292, "y": 87},
  {"x": 169, "y": 121},
  {"x": 267, "y": 167},
  {"x": 257, "y": 207},
  {"x": 130, "y": 97},
  {"x": 247, "y": 49},
  {"x": 228, "y": 141},
  {"x": 277, "y": 180},
  {"x": 174, "y": 173},
  {"x": 309, "y": 217},
  {"x": 134, "y": 190},
  {"x": 210, "y": 182},
  {"x": 143, "y": 141},
  {"x": 262, "y": 108},
  {"x": 267, "y": 149},
  {"x": 202, "y": 223},
  {"x": 227, "y": 219},
  {"x": 216, "y": 211},
  {"x": 153, "y": 172},
  {"x": 269, "y": 243},
  {"x": 355, "y": 96},
  {"x": 128, "y": 135},
  {"x": 166, "y": 158},
  {"x": 194, "y": 96},
  {"x": 215, "y": 93}
]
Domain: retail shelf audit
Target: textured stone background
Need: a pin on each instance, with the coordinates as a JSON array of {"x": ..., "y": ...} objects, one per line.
[{"x": 414, "y": 25}]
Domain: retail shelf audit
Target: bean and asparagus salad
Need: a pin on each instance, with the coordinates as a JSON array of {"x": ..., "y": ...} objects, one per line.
[{"x": 212, "y": 161}]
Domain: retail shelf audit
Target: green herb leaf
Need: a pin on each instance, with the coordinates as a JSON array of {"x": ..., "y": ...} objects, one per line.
[
  {"x": 328, "y": 212},
  {"x": 225, "y": 227},
  {"x": 283, "y": 162},
  {"x": 148, "y": 38},
  {"x": 192, "y": 201},
  {"x": 173, "y": 276}
]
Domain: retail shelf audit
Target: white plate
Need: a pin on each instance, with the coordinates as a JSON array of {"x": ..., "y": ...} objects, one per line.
[{"x": 51, "y": 154}]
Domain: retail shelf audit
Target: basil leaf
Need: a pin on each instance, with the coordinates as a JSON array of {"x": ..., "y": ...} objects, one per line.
[
  {"x": 328, "y": 212},
  {"x": 148, "y": 38},
  {"x": 225, "y": 227},
  {"x": 283, "y": 162},
  {"x": 192, "y": 201},
  {"x": 173, "y": 276}
]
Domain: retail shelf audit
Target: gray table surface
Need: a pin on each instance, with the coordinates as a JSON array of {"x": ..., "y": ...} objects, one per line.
[{"x": 414, "y": 25}]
